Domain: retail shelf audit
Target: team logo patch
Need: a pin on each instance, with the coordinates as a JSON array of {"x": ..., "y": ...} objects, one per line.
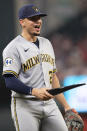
[
  {"x": 35, "y": 9},
  {"x": 8, "y": 61}
]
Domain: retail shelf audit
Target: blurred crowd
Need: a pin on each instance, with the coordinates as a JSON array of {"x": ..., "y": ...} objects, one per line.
[
  {"x": 71, "y": 57},
  {"x": 70, "y": 44}
]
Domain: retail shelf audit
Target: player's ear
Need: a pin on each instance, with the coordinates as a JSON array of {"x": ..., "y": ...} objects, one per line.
[{"x": 22, "y": 22}]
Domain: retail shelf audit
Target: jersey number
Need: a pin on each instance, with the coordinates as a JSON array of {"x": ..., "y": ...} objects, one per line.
[{"x": 50, "y": 76}]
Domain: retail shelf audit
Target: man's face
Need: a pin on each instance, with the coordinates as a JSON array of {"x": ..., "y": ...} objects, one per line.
[{"x": 32, "y": 25}]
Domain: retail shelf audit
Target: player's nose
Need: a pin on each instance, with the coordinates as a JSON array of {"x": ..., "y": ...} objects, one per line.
[{"x": 39, "y": 20}]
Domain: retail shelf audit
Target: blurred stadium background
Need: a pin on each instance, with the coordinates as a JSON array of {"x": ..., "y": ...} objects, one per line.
[{"x": 66, "y": 28}]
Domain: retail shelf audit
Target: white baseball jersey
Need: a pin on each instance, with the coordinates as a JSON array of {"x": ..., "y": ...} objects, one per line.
[{"x": 32, "y": 65}]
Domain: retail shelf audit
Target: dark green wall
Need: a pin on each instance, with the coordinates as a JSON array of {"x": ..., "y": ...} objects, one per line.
[{"x": 6, "y": 35}]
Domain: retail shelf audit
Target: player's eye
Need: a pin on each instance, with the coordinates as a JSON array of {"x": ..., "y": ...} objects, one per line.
[{"x": 34, "y": 18}]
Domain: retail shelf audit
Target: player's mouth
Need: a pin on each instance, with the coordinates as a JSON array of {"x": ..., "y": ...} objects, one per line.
[{"x": 37, "y": 27}]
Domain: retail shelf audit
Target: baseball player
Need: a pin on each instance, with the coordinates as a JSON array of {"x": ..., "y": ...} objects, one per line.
[{"x": 29, "y": 70}]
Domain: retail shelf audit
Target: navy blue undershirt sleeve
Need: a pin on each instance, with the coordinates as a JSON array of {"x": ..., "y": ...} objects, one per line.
[{"x": 16, "y": 85}]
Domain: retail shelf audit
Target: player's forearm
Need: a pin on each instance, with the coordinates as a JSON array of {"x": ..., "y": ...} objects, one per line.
[
  {"x": 16, "y": 85},
  {"x": 60, "y": 97},
  {"x": 55, "y": 81}
]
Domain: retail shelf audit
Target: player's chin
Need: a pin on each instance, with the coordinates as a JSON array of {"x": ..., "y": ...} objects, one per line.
[{"x": 37, "y": 34}]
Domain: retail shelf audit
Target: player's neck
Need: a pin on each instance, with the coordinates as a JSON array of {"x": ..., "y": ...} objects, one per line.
[{"x": 29, "y": 37}]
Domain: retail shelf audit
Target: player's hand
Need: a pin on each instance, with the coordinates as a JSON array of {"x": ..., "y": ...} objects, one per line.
[{"x": 42, "y": 93}]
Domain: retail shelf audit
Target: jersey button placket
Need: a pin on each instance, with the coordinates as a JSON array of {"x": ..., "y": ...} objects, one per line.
[{"x": 42, "y": 68}]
